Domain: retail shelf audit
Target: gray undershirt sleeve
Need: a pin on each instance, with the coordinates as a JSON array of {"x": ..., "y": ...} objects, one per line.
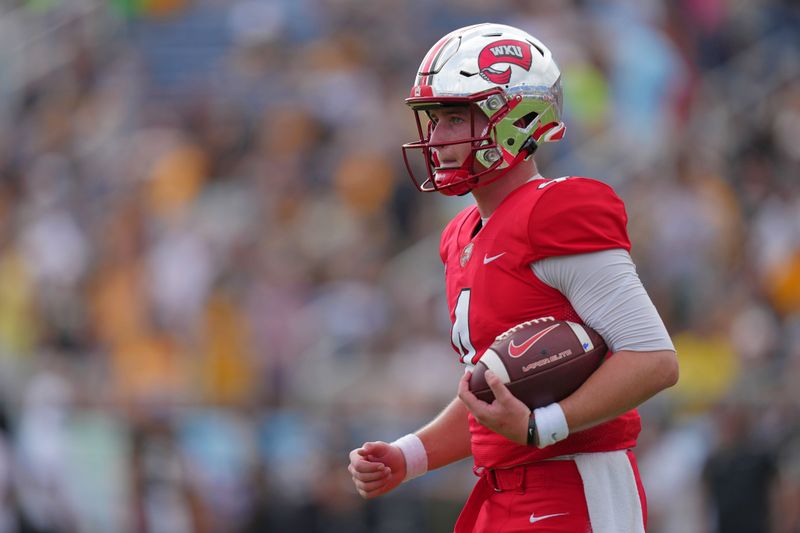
[{"x": 606, "y": 292}]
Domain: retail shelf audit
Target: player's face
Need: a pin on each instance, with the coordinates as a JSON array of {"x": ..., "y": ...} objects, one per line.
[{"x": 453, "y": 124}]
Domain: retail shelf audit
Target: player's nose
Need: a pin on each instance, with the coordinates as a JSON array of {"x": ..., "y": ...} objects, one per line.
[
  {"x": 444, "y": 151},
  {"x": 437, "y": 135}
]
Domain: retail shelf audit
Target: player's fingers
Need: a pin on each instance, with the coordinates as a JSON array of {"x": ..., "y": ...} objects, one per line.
[
  {"x": 363, "y": 466},
  {"x": 360, "y": 462},
  {"x": 371, "y": 485},
  {"x": 359, "y": 454},
  {"x": 369, "y": 472},
  {"x": 499, "y": 389},
  {"x": 471, "y": 401},
  {"x": 365, "y": 450},
  {"x": 373, "y": 451},
  {"x": 365, "y": 453},
  {"x": 366, "y": 494},
  {"x": 463, "y": 387}
]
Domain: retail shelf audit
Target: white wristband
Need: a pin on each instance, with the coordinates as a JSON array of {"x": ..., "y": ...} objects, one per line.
[
  {"x": 415, "y": 454},
  {"x": 551, "y": 425}
]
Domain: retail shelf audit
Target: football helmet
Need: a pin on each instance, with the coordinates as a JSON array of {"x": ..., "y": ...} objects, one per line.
[{"x": 500, "y": 71}]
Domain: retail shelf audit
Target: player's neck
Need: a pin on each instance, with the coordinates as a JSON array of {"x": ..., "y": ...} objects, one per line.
[{"x": 490, "y": 196}]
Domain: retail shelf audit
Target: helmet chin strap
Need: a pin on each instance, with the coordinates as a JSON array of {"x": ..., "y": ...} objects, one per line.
[{"x": 453, "y": 181}]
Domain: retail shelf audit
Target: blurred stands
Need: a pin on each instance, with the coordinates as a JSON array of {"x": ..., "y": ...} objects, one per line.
[{"x": 215, "y": 278}]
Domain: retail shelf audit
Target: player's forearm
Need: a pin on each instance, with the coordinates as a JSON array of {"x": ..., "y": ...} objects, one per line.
[
  {"x": 447, "y": 437},
  {"x": 622, "y": 382}
]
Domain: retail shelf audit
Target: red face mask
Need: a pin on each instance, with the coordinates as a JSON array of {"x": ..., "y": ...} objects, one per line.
[{"x": 463, "y": 179}]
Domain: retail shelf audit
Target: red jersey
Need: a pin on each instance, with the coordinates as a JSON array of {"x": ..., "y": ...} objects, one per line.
[{"x": 491, "y": 287}]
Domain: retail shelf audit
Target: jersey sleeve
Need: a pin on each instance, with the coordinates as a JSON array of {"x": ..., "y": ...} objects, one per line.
[
  {"x": 577, "y": 216},
  {"x": 606, "y": 292}
]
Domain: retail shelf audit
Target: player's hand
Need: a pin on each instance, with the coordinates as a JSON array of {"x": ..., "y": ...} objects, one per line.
[
  {"x": 506, "y": 415},
  {"x": 377, "y": 468}
]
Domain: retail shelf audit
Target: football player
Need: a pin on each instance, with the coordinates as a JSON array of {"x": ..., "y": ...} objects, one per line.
[{"x": 485, "y": 97}]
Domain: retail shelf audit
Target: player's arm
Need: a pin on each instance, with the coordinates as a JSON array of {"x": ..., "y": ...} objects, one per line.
[
  {"x": 581, "y": 248},
  {"x": 379, "y": 467},
  {"x": 447, "y": 438},
  {"x": 622, "y": 382},
  {"x": 606, "y": 292}
]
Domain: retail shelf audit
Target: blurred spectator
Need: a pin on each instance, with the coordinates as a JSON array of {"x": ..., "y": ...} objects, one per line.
[
  {"x": 163, "y": 498},
  {"x": 740, "y": 474},
  {"x": 42, "y": 454},
  {"x": 8, "y": 516}
]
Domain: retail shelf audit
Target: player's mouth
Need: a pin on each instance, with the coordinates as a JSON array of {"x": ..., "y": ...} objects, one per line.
[{"x": 448, "y": 165}]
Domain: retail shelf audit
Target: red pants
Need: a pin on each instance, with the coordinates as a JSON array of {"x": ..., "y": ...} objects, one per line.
[{"x": 599, "y": 493}]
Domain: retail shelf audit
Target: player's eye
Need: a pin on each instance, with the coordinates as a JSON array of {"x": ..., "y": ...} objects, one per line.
[{"x": 456, "y": 120}]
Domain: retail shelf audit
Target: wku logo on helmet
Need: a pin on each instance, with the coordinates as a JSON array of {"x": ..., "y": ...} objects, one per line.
[
  {"x": 507, "y": 51},
  {"x": 515, "y": 350}
]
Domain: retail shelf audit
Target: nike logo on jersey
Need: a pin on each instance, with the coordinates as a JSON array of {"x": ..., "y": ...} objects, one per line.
[
  {"x": 535, "y": 519},
  {"x": 515, "y": 350},
  {"x": 487, "y": 259}
]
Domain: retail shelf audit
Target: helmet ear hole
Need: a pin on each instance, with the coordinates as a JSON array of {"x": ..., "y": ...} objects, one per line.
[{"x": 524, "y": 122}]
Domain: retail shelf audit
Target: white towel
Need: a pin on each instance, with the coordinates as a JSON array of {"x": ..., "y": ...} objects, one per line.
[{"x": 611, "y": 494}]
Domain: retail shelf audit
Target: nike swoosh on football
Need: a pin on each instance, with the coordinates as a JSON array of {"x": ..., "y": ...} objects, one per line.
[
  {"x": 535, "y": 519},
  {"x": 487, "y": 260},
  {"x": 515, "y": 350}
]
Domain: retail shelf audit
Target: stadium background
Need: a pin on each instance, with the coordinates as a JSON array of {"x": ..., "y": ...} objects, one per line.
[{"x": 216, "y": 279}]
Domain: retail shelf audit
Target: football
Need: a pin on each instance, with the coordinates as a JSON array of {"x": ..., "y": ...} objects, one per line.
[{"x": 541, "y": 361}]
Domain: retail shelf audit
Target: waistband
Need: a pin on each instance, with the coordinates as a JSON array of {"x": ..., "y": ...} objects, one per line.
[
  {"x": 517, "y": 477},
  {"x": 539, "y": 474}
]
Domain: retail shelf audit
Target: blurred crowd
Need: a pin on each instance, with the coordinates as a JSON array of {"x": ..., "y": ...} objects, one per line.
[{"x": 216, "y": 279}]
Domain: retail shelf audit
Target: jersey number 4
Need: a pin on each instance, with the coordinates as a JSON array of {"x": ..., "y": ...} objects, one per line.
[{"x": 460, "y": 332}]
